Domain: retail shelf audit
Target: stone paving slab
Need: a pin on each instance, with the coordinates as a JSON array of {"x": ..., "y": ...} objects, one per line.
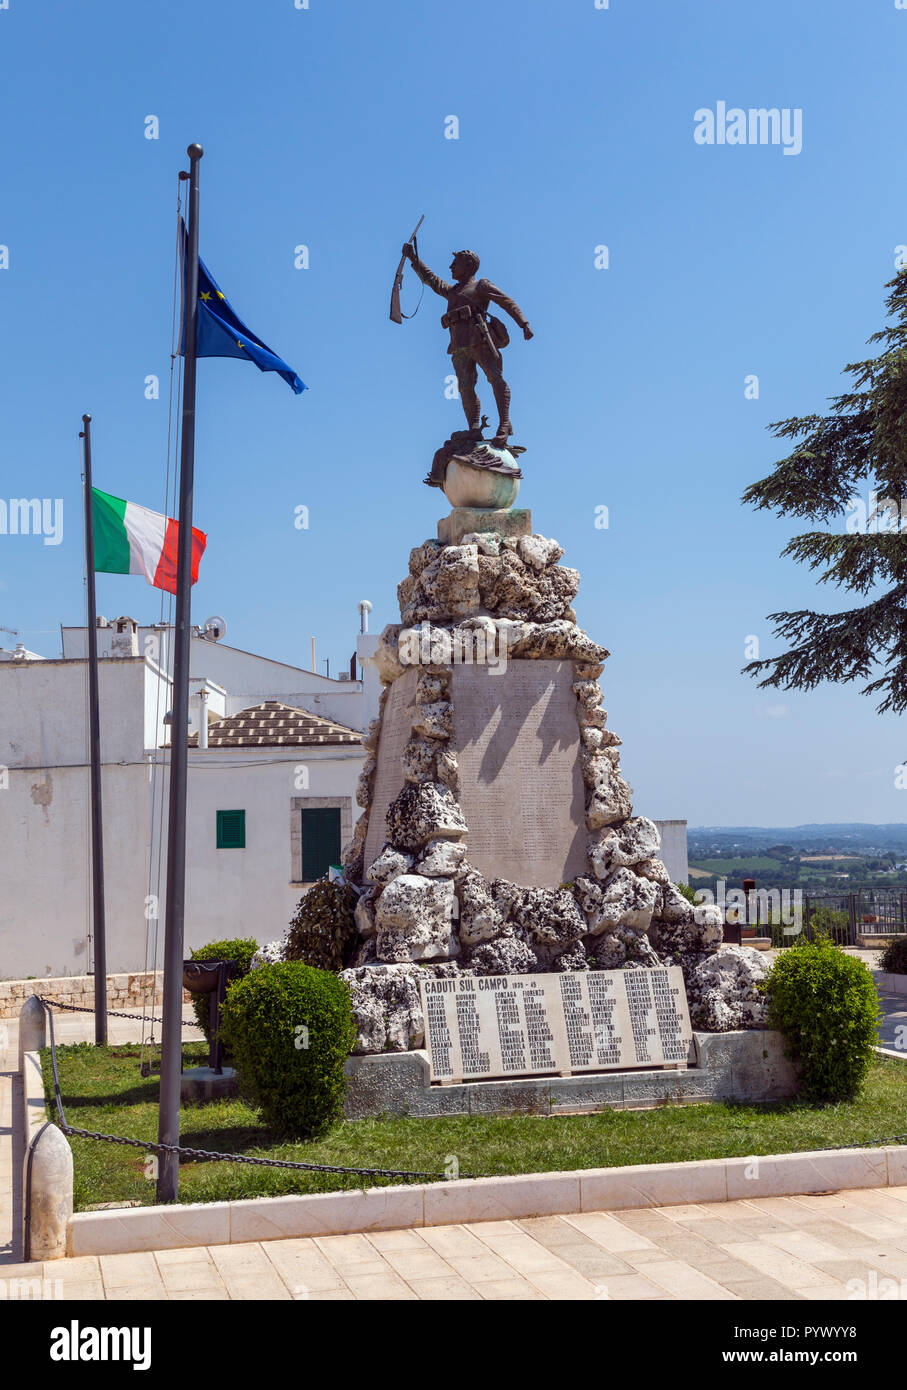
[{"x": 784, "y": 1248}]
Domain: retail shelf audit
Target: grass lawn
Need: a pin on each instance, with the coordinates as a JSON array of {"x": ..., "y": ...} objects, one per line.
[{"x": 103, "y": 1090}]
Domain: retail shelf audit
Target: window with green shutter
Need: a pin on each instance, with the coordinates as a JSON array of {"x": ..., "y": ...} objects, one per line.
[
  {"x": 320, "y": 841},
  {"x": 231, "y": 830}
]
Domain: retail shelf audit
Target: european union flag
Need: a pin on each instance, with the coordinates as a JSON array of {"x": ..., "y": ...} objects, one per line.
[{"x": 222, "y": 333}]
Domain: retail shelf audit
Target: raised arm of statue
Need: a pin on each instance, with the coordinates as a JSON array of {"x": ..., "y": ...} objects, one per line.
[{"x": 429, "y": 278}]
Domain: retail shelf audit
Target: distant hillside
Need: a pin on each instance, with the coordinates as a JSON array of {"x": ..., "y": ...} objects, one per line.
[
  {"x": 816, "y": 838},
  {"x": 822, "y": 857}
]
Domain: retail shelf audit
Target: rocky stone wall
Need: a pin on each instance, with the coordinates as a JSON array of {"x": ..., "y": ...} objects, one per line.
[{"x": 423, "y": 906}]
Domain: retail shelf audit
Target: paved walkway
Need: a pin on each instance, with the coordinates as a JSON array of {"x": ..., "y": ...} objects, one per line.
[
  {"x": 893, "y": 1028},
  {"x": 840, "y": 1246},
  {"x": 844, "y": 1246}
]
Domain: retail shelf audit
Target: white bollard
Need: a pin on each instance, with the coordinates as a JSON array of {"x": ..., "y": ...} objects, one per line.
[
  {"x": 32, "y": 1027},
  {"x": 48, "y": 1196}
]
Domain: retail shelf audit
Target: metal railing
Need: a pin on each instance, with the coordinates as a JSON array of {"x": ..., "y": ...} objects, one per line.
[{"x": 845, "y": 917}]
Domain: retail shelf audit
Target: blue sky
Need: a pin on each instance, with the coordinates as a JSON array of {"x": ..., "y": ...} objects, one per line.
[{"x": 325, "y": 127}]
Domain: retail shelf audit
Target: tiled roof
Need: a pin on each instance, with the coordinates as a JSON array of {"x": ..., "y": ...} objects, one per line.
[{"x": 274, "y": 723}]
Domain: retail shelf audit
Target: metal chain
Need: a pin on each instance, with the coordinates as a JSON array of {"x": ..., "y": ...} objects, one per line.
[
  {"x": 207, "y": 1155},
  {"x": 211, "y": 1156},
  {"x": 88, "y": 1009}
]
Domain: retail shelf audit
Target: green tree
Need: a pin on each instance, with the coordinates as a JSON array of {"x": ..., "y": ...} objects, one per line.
[{"x": 862, "y": 441}]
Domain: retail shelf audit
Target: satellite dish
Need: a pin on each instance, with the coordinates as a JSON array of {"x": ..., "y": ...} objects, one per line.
[{"x": 215, "y": 628}]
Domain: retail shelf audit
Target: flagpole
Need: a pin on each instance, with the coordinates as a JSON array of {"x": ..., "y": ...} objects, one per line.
[
  {"x": 171, "y": 1028},
  {"x": 99, "y": 925}
]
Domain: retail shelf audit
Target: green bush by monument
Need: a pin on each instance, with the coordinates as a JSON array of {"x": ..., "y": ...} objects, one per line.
[
  {"x": 241, "y": 949},
  {"x": 894, "y": 957},
  {"x": 825, "y": 1003},
  {"x": 289, "y": 1030},
  {"x": 323, "y": 931}
]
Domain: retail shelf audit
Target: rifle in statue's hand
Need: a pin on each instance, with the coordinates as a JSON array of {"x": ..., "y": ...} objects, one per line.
[{"x": 397, "y": 314}]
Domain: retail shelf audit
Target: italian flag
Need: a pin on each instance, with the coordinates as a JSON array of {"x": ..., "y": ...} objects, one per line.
[{"x": 129, "y": 539}]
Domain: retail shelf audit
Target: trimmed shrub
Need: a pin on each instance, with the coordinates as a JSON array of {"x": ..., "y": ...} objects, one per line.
[
  {"x": 323, "y": 931},
  {"x": 241, "y": 950},
  {"x": 894, "y": 957},
  {"x": 289, "y": 1029},
  {"x": 825, "y": 1003}
]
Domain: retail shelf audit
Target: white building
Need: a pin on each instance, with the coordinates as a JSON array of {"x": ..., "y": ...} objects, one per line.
[{"x": 271, "y": 793}]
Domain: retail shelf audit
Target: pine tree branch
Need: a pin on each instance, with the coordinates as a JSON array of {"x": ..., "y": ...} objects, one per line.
[
  {"x": 842, "y": 647},
  {"x": 819, "y": 478},
  {"x": 856, "y": 562}
]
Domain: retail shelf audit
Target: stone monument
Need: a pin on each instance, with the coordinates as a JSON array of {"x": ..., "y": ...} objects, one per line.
[
  {"x": 516, "y": 926},
  {"x": 497, "y": 836},
  {"x": 497, "y": 833}
]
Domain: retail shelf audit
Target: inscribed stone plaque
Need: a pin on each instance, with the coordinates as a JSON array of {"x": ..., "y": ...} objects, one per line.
[
  {"x": 517, "y": 743},
  {"x": 477, "y": 1027}
]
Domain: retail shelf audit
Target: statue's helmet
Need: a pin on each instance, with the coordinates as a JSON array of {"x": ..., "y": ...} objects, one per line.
[{"x": 470, "y": 257}]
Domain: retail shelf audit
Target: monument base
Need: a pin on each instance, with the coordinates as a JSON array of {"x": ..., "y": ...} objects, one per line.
[
  {"x": 463, "y": 521},
  {"x": 203, "y": 1083},
  {"x": 744, "y": 1067}
]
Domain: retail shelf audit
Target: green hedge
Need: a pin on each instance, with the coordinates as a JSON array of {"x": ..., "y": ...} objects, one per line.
[
  {"x": 323, "y": 931},
  {"x": 825, "y": 1003},
  {"x": 242, "y": 949},
  {"x": 289, "y": 1029},
  {"x": 894, "y": 957}
]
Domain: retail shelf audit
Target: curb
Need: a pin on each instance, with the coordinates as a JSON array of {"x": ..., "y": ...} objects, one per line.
[
  {"x": 483, "y": 1199},
  {"x": 889, "y": 983}
]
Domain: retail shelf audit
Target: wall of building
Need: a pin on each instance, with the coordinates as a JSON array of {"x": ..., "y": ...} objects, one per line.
[
  {"x": 43, "y": 706},
  {"x": 248, "y": 678},
  {"x": 45, "y": 909},
  {"x": 45, "y": 828},
  {"x": 674, "y": 849},
  {"x": 254, "y": 891}
]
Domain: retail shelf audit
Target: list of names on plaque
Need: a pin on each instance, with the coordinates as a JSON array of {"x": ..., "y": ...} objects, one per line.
[{"x": 536, "y": 1025}]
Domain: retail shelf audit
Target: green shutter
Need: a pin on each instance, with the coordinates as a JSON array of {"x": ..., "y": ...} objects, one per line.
[
  {"x": 320, "y": 841},
  {"x": 231, "y": 830}
]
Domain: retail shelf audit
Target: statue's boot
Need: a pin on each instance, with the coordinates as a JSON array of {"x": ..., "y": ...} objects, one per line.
[
  {"x": 471, "y": 408},
  {"x": 502, "y": 401}
]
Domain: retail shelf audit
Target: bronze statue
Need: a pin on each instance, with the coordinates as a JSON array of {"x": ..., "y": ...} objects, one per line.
[{"x": 476, "y": 338}]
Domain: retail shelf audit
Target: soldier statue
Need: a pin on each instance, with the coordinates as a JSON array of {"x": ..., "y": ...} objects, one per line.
[{"x": 476, "y": 338}]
